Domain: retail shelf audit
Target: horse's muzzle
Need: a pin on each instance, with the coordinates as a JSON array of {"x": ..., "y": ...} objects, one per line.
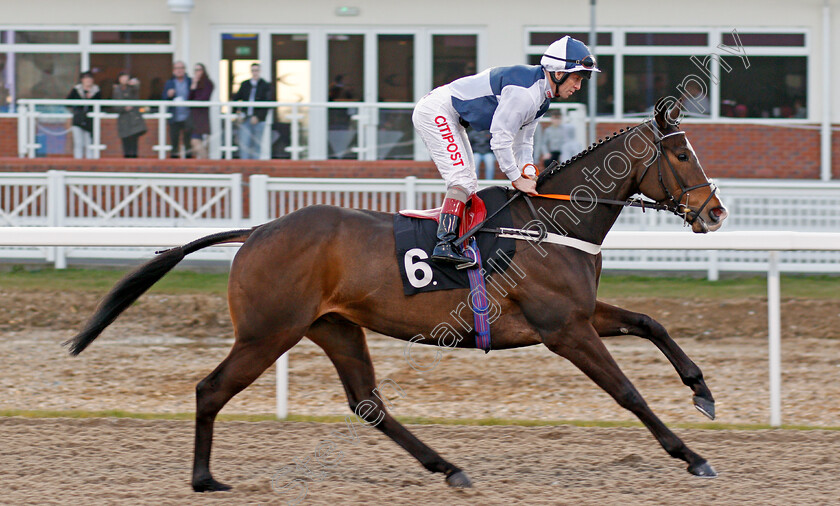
[{"x": 710, "y": 221}]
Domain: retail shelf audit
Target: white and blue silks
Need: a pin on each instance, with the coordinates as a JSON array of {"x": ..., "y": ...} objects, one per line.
[{"x": 508, "y": 101}]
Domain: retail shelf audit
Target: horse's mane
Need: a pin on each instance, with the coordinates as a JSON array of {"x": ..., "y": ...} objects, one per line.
[{"x": 587, "y": 152}]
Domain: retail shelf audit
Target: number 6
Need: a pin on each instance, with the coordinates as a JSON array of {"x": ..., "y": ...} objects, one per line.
[{"x": 412, "y": 267}]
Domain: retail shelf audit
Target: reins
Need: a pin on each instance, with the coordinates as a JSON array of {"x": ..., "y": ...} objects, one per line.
[{"x": 674, "y": 204}]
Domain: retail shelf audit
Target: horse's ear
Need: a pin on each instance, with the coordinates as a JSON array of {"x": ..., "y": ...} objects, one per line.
[{"x": 668, "y": 112}]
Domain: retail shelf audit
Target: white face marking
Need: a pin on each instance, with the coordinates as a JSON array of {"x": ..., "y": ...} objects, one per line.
[{"x": 688, "y": 143}]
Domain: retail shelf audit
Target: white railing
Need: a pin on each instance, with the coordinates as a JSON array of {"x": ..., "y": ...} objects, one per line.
[
  {"x": 122, "y": 199},
  {"x": 86, "y": 199},
  {"x": 312, "y": 130},
  {"x": 772, "y": 242},
  {"x": 753, "y": 205}
]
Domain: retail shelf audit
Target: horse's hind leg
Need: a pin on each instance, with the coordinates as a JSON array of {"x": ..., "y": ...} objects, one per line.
[
  {"x": 246, "y": 361},
  {"x": 587, "y": 352},
  {"x": 614, "y": 321},
  {"x": 346, "y": 347}
]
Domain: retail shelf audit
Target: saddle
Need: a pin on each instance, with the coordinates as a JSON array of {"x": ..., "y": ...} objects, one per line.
[{"x": 474, "y": 213}]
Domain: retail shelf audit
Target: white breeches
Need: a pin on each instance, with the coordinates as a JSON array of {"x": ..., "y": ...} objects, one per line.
[{"x": 446, "y": 140}]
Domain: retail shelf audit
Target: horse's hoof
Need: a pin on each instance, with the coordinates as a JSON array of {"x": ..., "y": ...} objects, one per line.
[
  {"x": 705, "y": 406},
  {"x": 459, "y": 480},
  {"x": 209, "y": 485},
  {"x": 702, "y": 469}
]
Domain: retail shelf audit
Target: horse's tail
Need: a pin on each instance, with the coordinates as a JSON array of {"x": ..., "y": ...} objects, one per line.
[{"x": 133, "y": 285}]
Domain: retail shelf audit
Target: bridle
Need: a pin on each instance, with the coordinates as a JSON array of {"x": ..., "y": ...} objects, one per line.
[
  {"x": 675, "y": 204},
  {"x": 669, "y": 203}
]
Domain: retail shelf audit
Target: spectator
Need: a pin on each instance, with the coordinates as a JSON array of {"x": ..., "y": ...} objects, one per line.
[
  {"x": 480, "y": 142},
  {"x": 201, "y": 89},
  {"x": 799, "y": 109},
  {"x": 252, "y": 119},
  {"x": 177, "y": 88},
  {"x": 337, "y": 90},
  {"x": 4, "y": 91},
  {"x": 82, "y": 124},
  {"x": 130, "y": 123},
  {"x": 558, "y": 140},
  {"x": 696, "y": 101}
]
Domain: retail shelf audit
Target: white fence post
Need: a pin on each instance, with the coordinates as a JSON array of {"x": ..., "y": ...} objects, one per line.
[
  {"x": 23, "y": 130},
  {"x": 96, "y": 146},
  {"x": 32, "y": 125},
  {"x": 267, "y": 135},
  {"x": 227, "y": 146},
  {"x": 162, "y": 146},
  {"x": 294, "y": 141},
  {"x": 258, "y": 199},
  {"x": 774, "y": 334},
  {"x": 56, "y": 209},
  {"x": 713, "y": 273},
  {"x": 411, "y": 192},
  {"x": 236, "y": 198},
  {"x": 259, "y": 213},
  {"x": 283, "y": 386}
]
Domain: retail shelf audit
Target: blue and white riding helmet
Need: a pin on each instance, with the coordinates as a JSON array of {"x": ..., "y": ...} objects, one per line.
[{"x": 570, "y": 56}]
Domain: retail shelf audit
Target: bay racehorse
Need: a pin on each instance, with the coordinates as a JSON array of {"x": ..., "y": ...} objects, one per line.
[{"x": 326, "y": 273}]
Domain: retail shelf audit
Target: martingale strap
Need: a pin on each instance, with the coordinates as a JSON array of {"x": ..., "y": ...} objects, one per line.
[{"x": 478, "y": 299}]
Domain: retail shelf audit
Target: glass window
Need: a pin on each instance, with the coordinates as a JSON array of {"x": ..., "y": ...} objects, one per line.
[
  {"x": 346, "y": 67},
  {"x": 396, "y": 68},
  {"x": 395, "y": 134},
  {"x": 766, "y": 39},
  {"x": 45, "y": 75},
  {"x": 546, "y": 38},
  {"x": 649, "y": 78},
  {"x": 5, "y": 93},
  {"x": 151, "y": 69},
  {"x": 292, "y": 72},
  {"x": 346, "y": 72},
  {"x": 453, "y": 56},
  {"x": 666, "y": 39},
  {"x": 293, "y": 83},
  {"x": 123, "y": 37},
  {"x": 606, "y": 90},
  {"x": 46, "y": 37},
  {"x": 773, "y": 87},
  {"x": 239, "y": 51},
  {"x": 4, "y": 38}
]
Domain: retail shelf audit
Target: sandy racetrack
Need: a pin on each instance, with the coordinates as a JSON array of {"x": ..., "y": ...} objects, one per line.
[
  {"x": 150, "y": 360},
  {"x": 98, "y": 461}
]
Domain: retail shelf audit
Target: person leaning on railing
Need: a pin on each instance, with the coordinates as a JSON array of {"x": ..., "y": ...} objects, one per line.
[
  {"x": 130, "y": 122},
  {"x": 201, "y": 89},
  {"x": 252, "y": 119},
  {"x": 177, "y": 89},
  {"x": 82, "y": 123}
]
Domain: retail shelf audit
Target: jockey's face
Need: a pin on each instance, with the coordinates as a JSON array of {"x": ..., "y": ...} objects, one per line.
[{"x": 571, "y": 85}]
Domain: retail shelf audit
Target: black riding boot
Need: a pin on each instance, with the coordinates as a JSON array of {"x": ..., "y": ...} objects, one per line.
[{"x": 445, "y": 251}]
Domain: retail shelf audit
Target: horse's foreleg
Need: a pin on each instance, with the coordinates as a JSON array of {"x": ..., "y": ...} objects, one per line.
[
  {"x": 584, "y": 348},
  {"x": 244, "y": 364},
  {"x": 346, "y": 347},
  {"x": 614, "y": 321}
]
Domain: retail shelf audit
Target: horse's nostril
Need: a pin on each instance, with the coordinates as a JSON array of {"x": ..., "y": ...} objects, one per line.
[{"x": 717, "y": 213}]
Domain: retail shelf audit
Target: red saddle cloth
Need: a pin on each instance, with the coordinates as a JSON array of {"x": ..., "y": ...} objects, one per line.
[{"x": 474, "y": 214}]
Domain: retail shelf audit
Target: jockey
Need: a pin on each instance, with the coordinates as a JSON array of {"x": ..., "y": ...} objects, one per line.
[{"x": 508, "y": 101}]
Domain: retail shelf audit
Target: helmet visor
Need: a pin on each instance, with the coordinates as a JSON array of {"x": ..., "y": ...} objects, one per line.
[{"x": 586, "y": 62}]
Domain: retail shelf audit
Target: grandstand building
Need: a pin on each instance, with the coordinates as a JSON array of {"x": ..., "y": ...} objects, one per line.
[{"x": 761, "y": 74}]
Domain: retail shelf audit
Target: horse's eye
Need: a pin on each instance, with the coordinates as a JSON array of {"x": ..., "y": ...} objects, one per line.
[{"x": 682, "y": 157}]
